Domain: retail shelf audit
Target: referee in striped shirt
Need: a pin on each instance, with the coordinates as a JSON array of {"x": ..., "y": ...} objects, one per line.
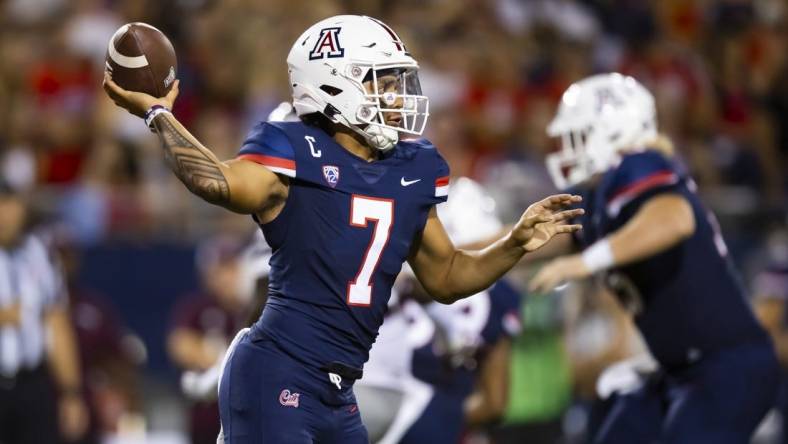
[{"x": 40, "y": 387}]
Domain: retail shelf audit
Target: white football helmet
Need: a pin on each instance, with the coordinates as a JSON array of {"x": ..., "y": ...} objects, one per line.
[
  {"x": 470, "y": 215},
  {"x": 329, "y": 64},
  {"x": 598, "y": 118}
]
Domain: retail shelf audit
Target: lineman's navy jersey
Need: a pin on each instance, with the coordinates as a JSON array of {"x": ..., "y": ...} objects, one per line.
[
  {"x": 688, "y": 300},
  {"x": 340, "y": 240}
]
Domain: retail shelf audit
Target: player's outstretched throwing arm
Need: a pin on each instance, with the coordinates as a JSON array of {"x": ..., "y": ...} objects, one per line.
[
  {"x": 449, "y": 274},
  {"x": 238, "y": 185}
]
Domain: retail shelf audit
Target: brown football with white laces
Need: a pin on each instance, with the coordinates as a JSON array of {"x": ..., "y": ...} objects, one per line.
[{"x": 141, "y": 58}]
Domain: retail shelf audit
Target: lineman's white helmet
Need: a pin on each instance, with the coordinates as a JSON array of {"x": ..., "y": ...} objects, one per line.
[
  {"x": 469, "y": 216},
  {"x": 598, "y": 118},
  {"x": 329, "y": 64}
]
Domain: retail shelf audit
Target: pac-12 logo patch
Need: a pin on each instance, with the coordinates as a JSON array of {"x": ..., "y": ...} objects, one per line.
[
  {"x": 327, "y": 45},
  {"x": 288, "y": 399},
  {"x": 331, "y": 174}
]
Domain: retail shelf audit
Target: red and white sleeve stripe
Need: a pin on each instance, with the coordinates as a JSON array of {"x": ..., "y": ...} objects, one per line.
[
  {"x": 628, "y": 193},
  {"x": 442, "y": 186}
]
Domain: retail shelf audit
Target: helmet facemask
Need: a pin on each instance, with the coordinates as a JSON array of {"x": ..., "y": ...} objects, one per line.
[
  {"x": 572, "y": 164},
  {"x": 393, "y": 103}
]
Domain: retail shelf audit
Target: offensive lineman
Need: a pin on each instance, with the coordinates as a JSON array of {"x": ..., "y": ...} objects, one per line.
[
  {"x": 662, "y": 254},
  {"x": 343, "y": 202}
]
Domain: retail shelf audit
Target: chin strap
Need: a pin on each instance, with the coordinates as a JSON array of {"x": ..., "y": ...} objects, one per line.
[
  {"x": 377, "y": 136},
  {"x": 381, "y": 138}
]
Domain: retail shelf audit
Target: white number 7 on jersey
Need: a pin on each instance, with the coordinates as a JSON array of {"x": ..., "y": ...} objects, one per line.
[{"x": 362, "y": 210}]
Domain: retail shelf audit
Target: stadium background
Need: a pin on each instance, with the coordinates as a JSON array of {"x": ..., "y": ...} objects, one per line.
[{"x": 493, "y": 69}]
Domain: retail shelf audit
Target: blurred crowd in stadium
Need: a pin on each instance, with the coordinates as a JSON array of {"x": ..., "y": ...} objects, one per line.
[{"x": 494, "y": 71}]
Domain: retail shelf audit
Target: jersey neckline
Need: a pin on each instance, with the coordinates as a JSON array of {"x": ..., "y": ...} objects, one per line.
[{"x": 384, "y": 156}]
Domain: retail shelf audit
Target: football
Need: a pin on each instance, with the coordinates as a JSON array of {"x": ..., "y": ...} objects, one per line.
[{"x": 141, "y": 58}]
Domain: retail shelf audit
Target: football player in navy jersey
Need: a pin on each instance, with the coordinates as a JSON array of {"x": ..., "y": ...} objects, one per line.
[
  {"x": 343, "y": 202},
  {"x": 647, "y": 233}
]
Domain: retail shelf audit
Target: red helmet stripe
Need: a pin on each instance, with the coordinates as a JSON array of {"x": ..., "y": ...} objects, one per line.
[{"x": 394, "y": 37}]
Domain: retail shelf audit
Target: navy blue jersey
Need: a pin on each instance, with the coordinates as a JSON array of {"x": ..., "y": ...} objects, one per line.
[
  {"x": 479, "y": 322},
  {"x": 340, "y": 240},
  {"x": 687, "y": 300},
  {"x": 504, "y": 319}
]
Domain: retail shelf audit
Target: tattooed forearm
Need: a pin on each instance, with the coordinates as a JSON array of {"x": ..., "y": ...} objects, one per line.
[{"x": 196, "y": 166}]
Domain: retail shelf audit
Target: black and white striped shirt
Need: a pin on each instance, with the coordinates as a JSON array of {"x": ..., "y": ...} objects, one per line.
[{"x": 28, "y": 277}]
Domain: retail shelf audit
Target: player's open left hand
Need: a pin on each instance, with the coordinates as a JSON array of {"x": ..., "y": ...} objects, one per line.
[
  {"x": 544, "y": 219},
  {"x": 137, "y": 103}
]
